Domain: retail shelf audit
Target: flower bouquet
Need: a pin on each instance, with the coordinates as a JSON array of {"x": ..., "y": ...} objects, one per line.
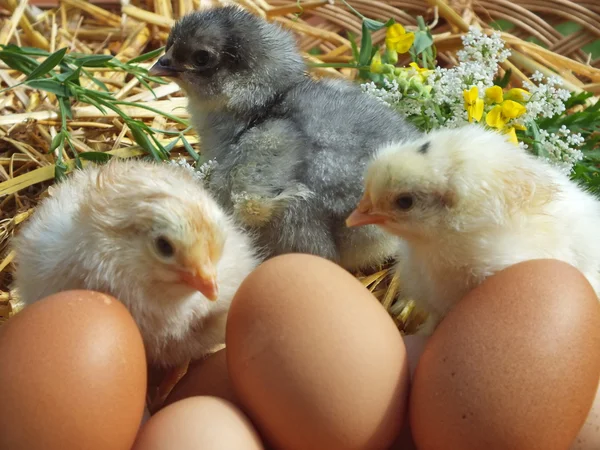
[{"x": 541, "y": 115}]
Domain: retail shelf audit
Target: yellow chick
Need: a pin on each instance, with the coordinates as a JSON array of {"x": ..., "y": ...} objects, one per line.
[
  {"x": 148, "y": 234},
  {"x": 467, "y": 203}
]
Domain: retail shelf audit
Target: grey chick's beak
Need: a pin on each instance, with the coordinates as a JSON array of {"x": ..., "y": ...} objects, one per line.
[
  {"x": 163, "y": 68},
  {"x": 363, "y": 215}
]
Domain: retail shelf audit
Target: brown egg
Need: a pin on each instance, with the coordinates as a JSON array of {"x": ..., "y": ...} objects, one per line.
[
  {"x": 589, "y": 435},
  {"x": 515, "y": 365},
  {"x": 315, "y": 359},
  {"x": 207, "y": 377},
  {"x": 72, "y": 375},
  {"x": 207, "y": 423}
]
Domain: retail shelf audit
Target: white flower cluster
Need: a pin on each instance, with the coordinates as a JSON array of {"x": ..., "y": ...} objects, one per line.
[
  {"x": 201, "y": 173},
  {"x": 478, "y": 64},
  {"x": 547, "y": 99},
  {"x": 443, "y": 105},
  {"x": 561, "y": 148},
  {"x": 487, "y": 50}
]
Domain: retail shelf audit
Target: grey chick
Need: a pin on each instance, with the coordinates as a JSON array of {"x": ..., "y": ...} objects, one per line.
[{"x": 290, "y": 151}]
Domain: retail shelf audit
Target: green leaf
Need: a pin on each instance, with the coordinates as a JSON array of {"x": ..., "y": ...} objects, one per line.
[
  {"x": 93, "y": 60},
  {"x": 534, "y": 130},
  {"x": 146, "y": 56},
  {"x": 146, "y": 85},
  {"x": 142, "y": 140},
  {"x": 373, "y": 25},
  {"x": 19, "y": 62},
  {"x": 171, "y": 145},
  {"x": 93, "y": 102},
  {"x": 31, "y": 51},
  {"x": 68, "y": 75},
  {"x": 366, "y": 45},
  {"x": 48, "y": 64},
  {"x": 49, "y": 86},
  {"x": 66, "y": 105},
  {"x": 57, "y": 142},
  {"x": 154, "y": 110},
  {"x": 100, "y": 157},
  {"x": 60, "y": 170},
  {"x": 188, "y": 147},
  {"x": 97, "y": 82},
  {"x": 577, "y": 99},
  {"x": 162, "y": 150},
  {"x": 423, "y": 40},
  {"x": 352, "y": 39}
]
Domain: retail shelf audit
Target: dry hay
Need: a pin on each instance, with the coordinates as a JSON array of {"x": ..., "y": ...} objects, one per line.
[{"x": 29, "y": 119}]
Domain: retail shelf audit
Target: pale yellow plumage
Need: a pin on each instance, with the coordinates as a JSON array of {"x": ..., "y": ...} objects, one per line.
[
  {"x": 467, "y": 203},
  {"x": 151, "y": 236}
]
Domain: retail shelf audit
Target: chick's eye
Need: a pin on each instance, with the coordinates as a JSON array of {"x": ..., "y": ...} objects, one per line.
[
  {"x": 164, "y": 247},
  {"x": 201, "y": 58},
  {"x": 405, "y": 202}
]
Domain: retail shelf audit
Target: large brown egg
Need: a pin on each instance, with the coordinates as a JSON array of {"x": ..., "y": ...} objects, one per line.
[
  {"x": 515, "y": 365},
  {"x": 72, "y": 375},
  {"x": 589, "y": 435},
  {"x": 315, "y": 359}
]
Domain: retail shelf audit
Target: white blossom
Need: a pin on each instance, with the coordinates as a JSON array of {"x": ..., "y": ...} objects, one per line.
[
  {"x": 200, "y": 173},
  {"x": 478, "y": 61}
]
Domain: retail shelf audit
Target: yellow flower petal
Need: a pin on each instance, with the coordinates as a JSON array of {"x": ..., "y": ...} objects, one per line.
[
  {"x": 403, "y": 43},
  {"x": 478, "y": 109},
  {"x": 494, "y": 93},
  {"x": 471, "y": 95},
  {"x": 395, "y": 31},
  {"x": 512, "y": 135},
  {"x": 512, "y": 109},
  {"x": 495, "y": 119},
  {"x": 519, "y": 126},
  {"x": 518, "y": 94},
  {"x": 376, "y": 65}
]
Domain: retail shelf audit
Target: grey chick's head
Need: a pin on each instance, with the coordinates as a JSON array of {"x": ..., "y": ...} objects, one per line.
[
  {"x": 458, "y": 180},
  {"x": 227, "y": 57}
]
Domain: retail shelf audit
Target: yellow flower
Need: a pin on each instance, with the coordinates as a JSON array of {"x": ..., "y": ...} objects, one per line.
[
  {"x": 518, "y": 94},
  {"x": 421, "y": 71},
  {"x": 396, "y": 38},
  {"x": 499, "y": 116},
  {"x": 512, "y": 135},
  {"x": 376, "y": 64},
  {"x": 473, "y": 104},
  {"x": 494, "y": 93}
]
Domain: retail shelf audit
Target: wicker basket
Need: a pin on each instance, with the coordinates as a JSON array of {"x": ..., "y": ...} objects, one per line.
[{"x": 562, "y": 28}]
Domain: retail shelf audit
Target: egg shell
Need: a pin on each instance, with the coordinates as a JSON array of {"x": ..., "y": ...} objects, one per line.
[
  {"x": 315, "y": 359},
  {"x": 207, "y": 377},
  {"x": 72, "y": 375},
  {"x": 198, "y": 423},
  {"x": 514, "y": 365},
  {"x": 589, "y": 435}
]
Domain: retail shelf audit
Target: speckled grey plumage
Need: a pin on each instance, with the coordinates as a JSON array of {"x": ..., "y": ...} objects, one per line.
[{"x": 290, "y": 150}]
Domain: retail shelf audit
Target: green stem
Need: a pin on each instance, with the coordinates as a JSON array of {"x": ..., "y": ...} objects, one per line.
[
  {"x": 154, "y": 110},
  {"x": 353, "y": 10}
]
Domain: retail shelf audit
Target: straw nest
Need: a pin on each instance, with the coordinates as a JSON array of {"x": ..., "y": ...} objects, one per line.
[{"x": 29, "y": 119}]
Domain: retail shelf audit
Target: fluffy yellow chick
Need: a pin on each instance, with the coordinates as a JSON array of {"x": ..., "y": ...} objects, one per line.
[
  {"x": 468, "y": 203},
  {"x": 148, "y": 234}
]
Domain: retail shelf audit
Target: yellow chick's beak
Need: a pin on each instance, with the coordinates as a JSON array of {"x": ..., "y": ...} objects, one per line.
[
  {"x": 203, "y": 281},
  {"x": 363, "y": 215}
]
